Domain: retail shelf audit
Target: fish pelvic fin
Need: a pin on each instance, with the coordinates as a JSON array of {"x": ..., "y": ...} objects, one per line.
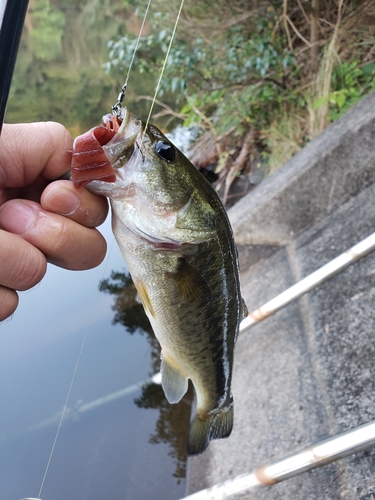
[
  {"x": 216, "y": 426},
  {"x": 173, "y": 381},
  {"x": 145, "y": 298}
]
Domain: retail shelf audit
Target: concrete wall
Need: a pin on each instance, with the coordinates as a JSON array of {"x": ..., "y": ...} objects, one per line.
[{"x": 308, "y": 371}]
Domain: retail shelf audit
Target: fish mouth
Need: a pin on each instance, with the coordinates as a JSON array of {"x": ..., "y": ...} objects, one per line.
[
  {"x": 122, "y": 145},
  {"x": 97, "y": 153}
]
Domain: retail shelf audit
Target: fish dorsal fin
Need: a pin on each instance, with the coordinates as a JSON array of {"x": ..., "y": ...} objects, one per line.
[
  {"x": 192, "y": 287},
  {"x": 174, "y": 382}
]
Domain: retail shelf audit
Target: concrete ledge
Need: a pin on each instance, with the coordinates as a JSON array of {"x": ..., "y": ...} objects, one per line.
[
  {"x": 331, "y": 169},
  {"x": 308, "y": 371}
]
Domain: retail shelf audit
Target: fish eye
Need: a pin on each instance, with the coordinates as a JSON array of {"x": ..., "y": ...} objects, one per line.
[{"x": 165, "y": 150}]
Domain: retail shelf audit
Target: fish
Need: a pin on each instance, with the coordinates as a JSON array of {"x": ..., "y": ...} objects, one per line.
[{"x": 178, "y": 245}]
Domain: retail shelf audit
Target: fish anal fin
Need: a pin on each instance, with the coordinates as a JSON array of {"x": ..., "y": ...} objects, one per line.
[
  {"x": 216, "y": 426},
  {"x": 145, "y": 298},
  {"x": 192, "y": 287},
  {"x": 174, "y": 382}
]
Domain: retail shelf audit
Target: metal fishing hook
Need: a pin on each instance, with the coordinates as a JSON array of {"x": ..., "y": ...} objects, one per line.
[{"x": 116, "y": 107}]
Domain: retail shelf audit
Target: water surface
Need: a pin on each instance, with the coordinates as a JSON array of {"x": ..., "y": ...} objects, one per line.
[{"x": 113, "y": 443}]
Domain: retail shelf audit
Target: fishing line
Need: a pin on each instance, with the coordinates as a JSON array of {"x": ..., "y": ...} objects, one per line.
[
  {"x": 157, "y": 88},
  {"x": 163, "y": 68},
  {"x": 115, "y": 109},
  {"x": 121, "y": 96},
  {"x": 65, "y": 406},
  {"x": 137, "y": 43}
]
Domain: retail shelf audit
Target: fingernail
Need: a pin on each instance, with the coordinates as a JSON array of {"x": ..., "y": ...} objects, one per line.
[
  {"x": 16, "y": 217},
  {"x": 63, "y": 202}
]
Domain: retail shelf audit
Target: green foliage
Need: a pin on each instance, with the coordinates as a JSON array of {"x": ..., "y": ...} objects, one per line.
[
  {"x": 231, "y": 69},
  {"x": 243, "y": 65},
  {"x": 59, "y": 75},
  {"x": 48, "y": 28},
  {"x": 350, "y": 81},
  {"x": 225, "y": 84}
]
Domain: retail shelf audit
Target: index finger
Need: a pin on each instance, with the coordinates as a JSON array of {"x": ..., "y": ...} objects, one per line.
[
  {"x": 31, "y": 150},
  {"x": 79, "y": 205}
]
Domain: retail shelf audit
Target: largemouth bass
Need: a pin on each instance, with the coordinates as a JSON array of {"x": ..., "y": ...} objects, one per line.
[{"x": 178, "y": 246}]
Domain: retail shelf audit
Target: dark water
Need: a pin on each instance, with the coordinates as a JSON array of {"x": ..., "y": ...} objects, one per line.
[
  {"x": 118, "y": 440},
  {"x": 113, "y": 443}
]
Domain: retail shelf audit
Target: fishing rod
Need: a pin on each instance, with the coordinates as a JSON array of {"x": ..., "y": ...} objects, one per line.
[
  {"x": 322, "y": 452},
  {"x": 309, "y": 458},
  {"x": 313, "y": 456},
  {"x": 314, "y": 279},
  {"x": 12, "y": 18}
]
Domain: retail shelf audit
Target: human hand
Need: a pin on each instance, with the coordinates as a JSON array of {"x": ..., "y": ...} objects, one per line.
[{"x": 42, "y": 221}]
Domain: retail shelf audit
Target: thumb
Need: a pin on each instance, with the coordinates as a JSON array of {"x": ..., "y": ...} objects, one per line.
[{"x": 33, "y": 149}]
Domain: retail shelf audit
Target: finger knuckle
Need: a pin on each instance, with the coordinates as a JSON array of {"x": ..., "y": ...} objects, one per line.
[
  {"x": 29, "y": 269},
  {"x": 63, "y": 243}
]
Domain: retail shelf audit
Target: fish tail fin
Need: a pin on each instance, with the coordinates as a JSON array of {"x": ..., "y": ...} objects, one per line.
[{"x": 218, "y": 425}]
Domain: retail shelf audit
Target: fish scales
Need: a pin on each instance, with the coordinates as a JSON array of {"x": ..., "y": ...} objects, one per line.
[{"x": 178, "y": 245}]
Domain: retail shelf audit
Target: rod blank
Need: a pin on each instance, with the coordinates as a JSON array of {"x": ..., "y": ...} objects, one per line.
[
  {"x": 326, "y": 451},
  {"x": 309, "y": 458},
  {"x": 316, "y": 278}
]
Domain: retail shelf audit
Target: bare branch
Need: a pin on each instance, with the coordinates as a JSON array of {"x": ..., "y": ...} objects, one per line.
[
  {"x": 297, "y": 32},
  {"x": 167, "y": 109},
  {"x": 284, "y": 16},
  {"x": 238, "y": 163}
]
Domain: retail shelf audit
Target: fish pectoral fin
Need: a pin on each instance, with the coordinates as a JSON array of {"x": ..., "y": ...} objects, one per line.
[
  {"x": 173, "y": 381},
  {"x": 216, "y": 426},
  {"x": 192, "y": 287}
]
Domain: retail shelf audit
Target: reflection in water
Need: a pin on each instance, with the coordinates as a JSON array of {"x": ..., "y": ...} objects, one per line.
[
  {"x": 128, "y": 309},
  {"x": 59, "y": 73},
  {"x": 80, "y": 408},
  {"x": 173, "y": 422},
  {"x": 103, "y": 445}
]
